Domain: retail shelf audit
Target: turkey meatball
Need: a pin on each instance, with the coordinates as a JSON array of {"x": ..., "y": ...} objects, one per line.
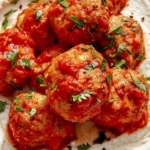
[
  {"x": 78, "y": 21},
  {"x": 34, "y": 20},
  {"x": 123, "y": 44},
  {"x": 40, "y": 66},
  {"x": 126, "y": 109},
  {"x": 78, "y": 83},
  {"x": 16, "y": 59},
  {"x": 33, "y": 125}
]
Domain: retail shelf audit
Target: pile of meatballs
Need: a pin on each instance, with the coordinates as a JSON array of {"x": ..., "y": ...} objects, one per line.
[{"x": 79, "y": 59}]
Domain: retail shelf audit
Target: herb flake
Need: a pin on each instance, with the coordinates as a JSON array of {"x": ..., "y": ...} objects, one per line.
[{"x": 2, "y": 106}]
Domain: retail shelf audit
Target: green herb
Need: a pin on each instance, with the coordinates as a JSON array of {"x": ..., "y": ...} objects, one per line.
[
  {"x": 34, "y": 1},
  {"x": 5, "y": 23},
  {"x": 104, "y": 63},
  {"x": 16, "y": 86},
  {"x": 16, "y": 100},
  {"x": 13, "y": 57},
  {"x": 77, "y": 22},
  {"x": 38, "y": 14},
  {"x": 64, "y": 3},
  {"x": 104, "y": 3},
  {"x": 30, "y": 94},
  {"x": 25, "y": 62},
  {"x": 45, "y": 1},
  {"x": 139, "y": 84},
  {"x": 83, "y": 147},
  {"x": 110, "y": 44},
  {"x": 108, "y": 78},
  {"x": 111, "y": 100},
  {"x": 120, "y": 49},
  {"x": 140, "y": 57},
  {"x": 19, "y": 108},
  {"x": 117, "y": 29},
  {"x": 98, "y": 100},
  {"x": 56, "y": 87},
  {"x": 91, "y": 66},
  {"x": 10, "y": 12},
  {"x": 2, "y": 106},
  {"x": 148, "y": 78},
  {"x": 129, "y": 52},
  {"x": 40, "y": 80},
  {"x": 93, "y": 53},
  {"x": 134, "y": 27},
  {"x": 86, "y": 47},
  {"x": 83, "y": 96},
  {"x": 32, "y": 112},
  {"x": 14, "y": 2},
  {"x": 120, "y": 63}
]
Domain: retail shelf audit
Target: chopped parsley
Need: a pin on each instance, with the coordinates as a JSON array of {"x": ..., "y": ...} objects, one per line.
[
  {"x": 40, "y": 80},
  {"x": 111, "y": 100},
  {"x": 13, "y": 57},
  {"x": 46, "y": 1},
  {"x": 38, "y": 14},
  {"x": 120, "y": 63},
  {"x": 19, "y": 108},
  {"x": 77, "y": 22},
  {"x": 34, "y": 1},
  {"x": 25, "y": 62},
  {"x": 103, "y": 66},
  {"x": 5, "y": 23},
  {"x": 16, "y": 86},
  {"x": 108, "y": 78},
  {"x": 16, "y": 100},
  {"x": 104, "y": 3},
  {"x": 64, "y": 3},
  {"x": 140, "y": 57},
  {"x": 32, "y": 112},
  {"x": 148, "y": 78},
  {"x": 30, "y": 94},
  {"x": 2, "y": 106},
  {"x": 139, "y": 84},
  {"x": 83, "y": 147},
  {"x": 83, "y": 96},
  {"x": 10, "y": 12},
  {"x": 93, "y": 65}
]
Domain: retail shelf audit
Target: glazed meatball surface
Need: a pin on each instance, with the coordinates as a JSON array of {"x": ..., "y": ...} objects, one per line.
[
  {"x": 126, "y": 110},
  {"x": 34, "y": 20},
  {"x": 41, "y": 65},
  {"x": 78, "y": 21},
  {"x": 77, "y": 83},
  {"x": 124, "y": 42},
  {"x": 16, "y": 59},
  {"x": 33, "y": 125}
]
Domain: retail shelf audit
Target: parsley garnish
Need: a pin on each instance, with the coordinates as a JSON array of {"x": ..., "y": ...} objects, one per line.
[
  {"x": 10, "y": 12},
  {"x": 64, "y": 3},
  {"x": 16, "y": 86},
  {"x": 117, "y": 29},
  {"x": 5, "y": 23},
  {"x": 30, "y": 94},
  {"x": 104, "y": 3},
  {"x": 120, "y": 63},
  {"x": 139, "y": 84},
  {"x": 19, "y": 108},
  {"x": 16, "y": 100},
  {"x": 103, "y": 66},
  {"x": 108, "y": 78},
  {"x": 34, "y": 1},
  {"x": 40, "y": 80},
  {"x": 91, "y": 66},
  {"x": 83, "y": 96},
  {"x": 32, "y": 112},
  {"x": 140, "y": 57},
  {"x": 25, "y": 62},
  {"x": 148, "y": 78},
  {"x": 120, "y": 49},
  {"x": 45, "y": 1},
  {"x": 13, "y": 57},
  {"x": 2, "y": 106},
  {"x": 77, "y": 22},
  {"x": 111, "y": 100},
  {"x": 83, "y": 147},
  {"x": 38, "y": 14}
]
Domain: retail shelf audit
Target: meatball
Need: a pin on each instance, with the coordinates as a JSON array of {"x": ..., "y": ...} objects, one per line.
[
  {"x": 34, "y": 20},
  {"x": 40, "y": 66},
  {"x": 114, "y": 6},
  {"x": 16, "y": 59},
  {"x": 123, "y": 43},
  {"x": 78, "y": 21},
  {"x": 33, "y": 125},
  {"x": 77, "y": 83},
  {"x": 126, "y": 110}
]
